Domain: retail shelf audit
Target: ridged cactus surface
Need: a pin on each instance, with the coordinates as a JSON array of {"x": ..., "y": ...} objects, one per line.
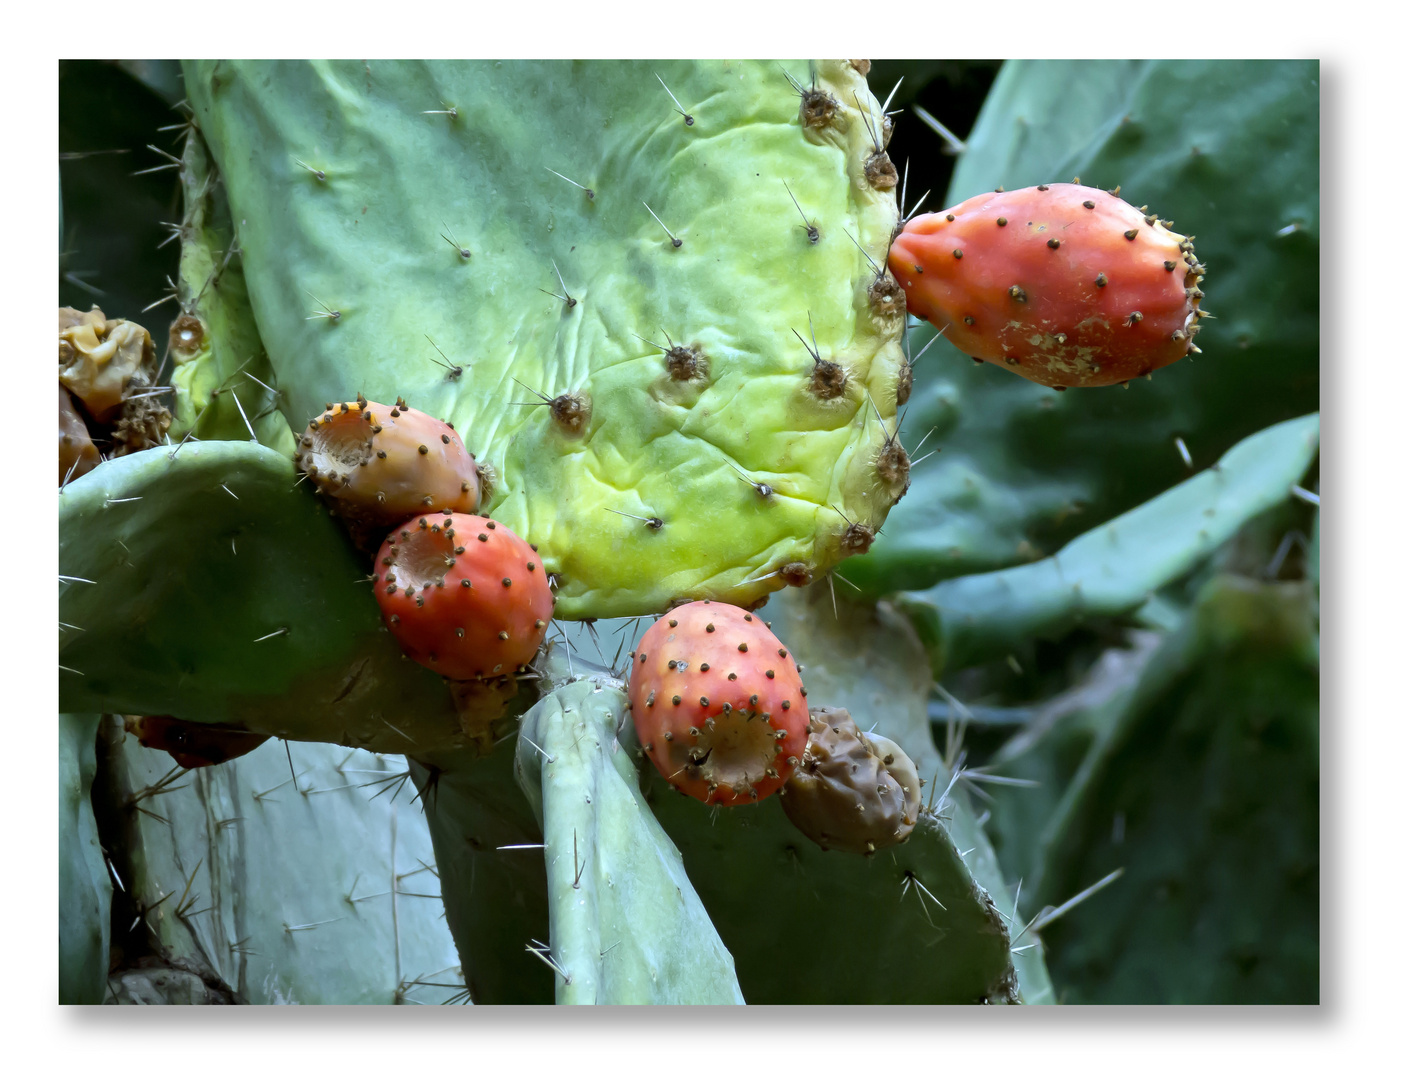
[
  {"x": 300, "y": 874},
  {"x": 618, "y": 344}
]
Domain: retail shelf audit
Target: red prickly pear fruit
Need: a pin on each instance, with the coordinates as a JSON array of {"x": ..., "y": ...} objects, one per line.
[
  {"x": 380, "y": 464},
  {"x": 1062, "y": 284},
  {"x": 193, "y": 746},
  {"x": 718, "y": 704},
  {"x": 464, "y": 595}
]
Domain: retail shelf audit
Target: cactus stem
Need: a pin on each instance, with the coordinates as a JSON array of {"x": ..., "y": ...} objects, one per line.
[
  {"x": 880, "y": 271},
  {"x": 454, "y": 370},
  {"x": 542, "y": 951},
  {"x": 569, "y": 301},
  {"x": 690, "y": 120},
  {"x": 588, "y": 192},
  {"x": 813, "y": 234},
  {"x": 675, "y": 240},
  {"x": 451, "y": 239},
  {"x": 928, "y": 343},
  {"x": 324, "y": 312},
  {"x": 653, "y": 523}
]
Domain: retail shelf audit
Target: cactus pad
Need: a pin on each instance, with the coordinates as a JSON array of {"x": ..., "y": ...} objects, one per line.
[{"x": 597, "y": 272}]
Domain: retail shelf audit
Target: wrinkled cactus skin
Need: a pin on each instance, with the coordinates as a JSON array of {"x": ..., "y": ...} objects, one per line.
[{"x": 560, "y": 306}]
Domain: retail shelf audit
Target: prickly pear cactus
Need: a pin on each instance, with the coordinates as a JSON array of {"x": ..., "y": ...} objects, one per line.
[
  {"x": 1198, "y": 776},
  {"x": 1115, "y": 569},
  {"x": 600, "y": 276},
  {"x": 627, "y": 287}
]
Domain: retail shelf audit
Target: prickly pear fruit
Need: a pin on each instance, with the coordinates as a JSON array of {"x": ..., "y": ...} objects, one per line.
[
  {"x": 76, "y": 453},
  {"x": 464, "y": 595},
  {"x": 718, "y": 703},
  {"x": 98, "y": 357},
  {"x": 193, "y": 746},
  {"x": 852, "y": 791},
  {"x": 1062, "y": 284},
  {"x": 381, "y": 464}
]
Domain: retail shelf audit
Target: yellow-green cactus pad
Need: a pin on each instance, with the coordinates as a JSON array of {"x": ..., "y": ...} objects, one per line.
[{"x": 600, "y": 273}]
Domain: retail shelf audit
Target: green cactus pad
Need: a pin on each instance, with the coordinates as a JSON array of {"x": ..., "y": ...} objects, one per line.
[
  {"x": 84, "y": 889},
  {"x": 868, "y": 659},
  {"x": 870, "y": 663},
  {"x": 1113, "y": 570},
  {"x": 1200, "y": 778},
  {"x": 1229, "y": 151},
  {"x": 209, "y": 587},
  {"x": 321, "y": 889},
  {"x": 488, "y": 843},
  {"x": 401, "y": 221},
  {"x": 224, "y": 386},
  {"x": 626, "y": 926}
]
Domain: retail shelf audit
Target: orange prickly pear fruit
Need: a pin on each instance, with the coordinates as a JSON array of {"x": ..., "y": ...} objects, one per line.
[
  {"x": 464, "y": 595},
  {"x": 718, "y": 703},
  {"x": 1062, "y": 284}
]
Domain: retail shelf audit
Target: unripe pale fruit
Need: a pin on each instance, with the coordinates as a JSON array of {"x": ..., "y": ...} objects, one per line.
[
  {"x": 464, "y": 595},
  {"x": 718, "y": 703},
  {"x": 1062, "y": 284},
  {"x": 378, "y": 465}
]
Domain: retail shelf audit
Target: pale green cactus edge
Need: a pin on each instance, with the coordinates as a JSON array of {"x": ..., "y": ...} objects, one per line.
[
  {"x": 473, "y": 236},
  {"x": 84, "y": 889},
  {"x": 626, "y": 925},
  {"x": 1113, "y": 570},
  {"x": 225, "y": 386}
]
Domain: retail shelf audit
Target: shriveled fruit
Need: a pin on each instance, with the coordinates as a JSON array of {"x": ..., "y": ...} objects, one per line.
[
  {"x": 76, "y": 453},
  {"x": 852, "y": 791},
  {"x": 193, "y": 746},
  {"x": 98, "y": 358},
  {"x": 464, "y": 595},
  {"x": 1062, "y": 284},
  {"x": 380, "y": 464},
  {"x": 718, "y": 703}
]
